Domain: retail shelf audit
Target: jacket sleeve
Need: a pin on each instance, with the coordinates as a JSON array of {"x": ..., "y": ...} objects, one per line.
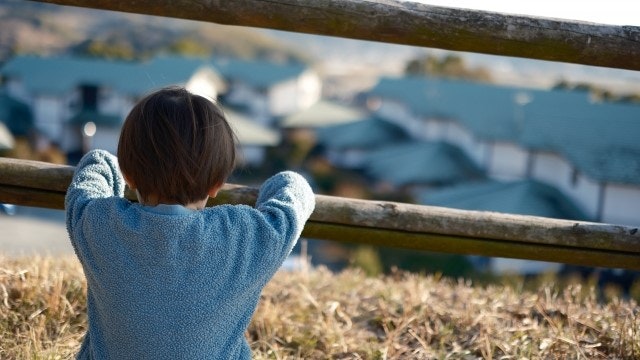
[
  {"x": 286, "y": 201},
  {"x": 96, "y": 176}
]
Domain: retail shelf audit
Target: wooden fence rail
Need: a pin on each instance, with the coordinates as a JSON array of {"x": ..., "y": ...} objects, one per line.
[
  {"x": 390, "y": 224},
  {"x": 410, "y": 23}
]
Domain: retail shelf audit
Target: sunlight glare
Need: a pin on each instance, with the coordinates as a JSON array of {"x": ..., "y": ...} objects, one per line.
[{"x": 612, "y": 12}]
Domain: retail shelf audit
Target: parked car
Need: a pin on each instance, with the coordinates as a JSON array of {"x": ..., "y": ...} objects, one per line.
[{"x": 8, "y": 209}]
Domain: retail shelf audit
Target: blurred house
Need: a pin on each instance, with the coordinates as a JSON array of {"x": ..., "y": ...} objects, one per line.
[
  {"x": 331, "y": 121},
  {"x": 80, "y": 103},
  {"x": 591, "y": 153},
  {"x": 557, "y": 154},
  {"x": 562, "y": 139},
  {"x": 70, "y": 96},
  {"x": 17, "y": 132},
  {"x": 348, "y": 145},
  {"x": 484, "y": 120},
  {"x": 252, "y": 136},
  {"x": 420, "y": 164},
  {"x": 525, "y": 197},
  {"x": 323, "y": 113},
  {"x": 266, "y": 90},
  {"x": 6, "y": 138},
  {"x": 16, "y": 115}
]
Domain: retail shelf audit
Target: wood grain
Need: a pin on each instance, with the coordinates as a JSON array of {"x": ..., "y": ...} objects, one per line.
[{"x": 410, "y": 23}]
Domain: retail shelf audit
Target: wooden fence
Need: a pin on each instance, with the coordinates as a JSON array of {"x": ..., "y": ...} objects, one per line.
[
  {"x": 410, "y": 23},
  {"x": 386, "y": 223},
  {"x": 390, "y": 224}
]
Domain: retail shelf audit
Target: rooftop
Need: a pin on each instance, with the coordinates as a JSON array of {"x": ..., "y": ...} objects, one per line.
[
  {"x": 420, "y": 162},
  {"x": 324, "y": 113},
  {"x": 525, "y": 197},
  {"x": 60, "y": 74},
  {"x": 367, "y": 133},
  {"x": 249, "y": 132},
  {"x": 15, "y": 115},
  {"x": 569, "y": 123},
  {"x": 6, "y": 139}
]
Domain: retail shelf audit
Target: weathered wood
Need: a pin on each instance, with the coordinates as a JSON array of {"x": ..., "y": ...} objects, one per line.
[
  {"x": 471, "y": 245},
  {"x": 411, "y": 24},
  {"x": 35, "y": 174},
  {"x": 390, "y": 224},
  {"x": 31, "y": 197}
]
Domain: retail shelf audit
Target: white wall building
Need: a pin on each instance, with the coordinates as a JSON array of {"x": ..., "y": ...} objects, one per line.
[
  {"x": 518, "y": 134},
  {"x": 268, "y": 91},
  {"x": 66, "y": 94}
]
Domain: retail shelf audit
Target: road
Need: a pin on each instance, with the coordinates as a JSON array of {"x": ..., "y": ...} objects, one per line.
[{"x": 34, "y": 231}]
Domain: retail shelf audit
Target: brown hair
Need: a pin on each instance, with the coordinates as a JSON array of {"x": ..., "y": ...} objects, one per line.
[{"x": 176, "y": 146}]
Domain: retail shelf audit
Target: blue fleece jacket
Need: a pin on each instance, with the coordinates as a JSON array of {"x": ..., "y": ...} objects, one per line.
[{"x": 167, "y": 282}]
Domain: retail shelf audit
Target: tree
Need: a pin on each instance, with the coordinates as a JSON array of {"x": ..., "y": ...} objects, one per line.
[
  {"x": 117, "y": 50},
  {"x": 190, "y": 47},
  {"x": 449, "y": 66}
]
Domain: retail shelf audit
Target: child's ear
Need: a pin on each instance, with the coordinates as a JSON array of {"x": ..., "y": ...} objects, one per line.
[
  {"x": 213, "y": 192},
  {"x": 130, "y": 183}
]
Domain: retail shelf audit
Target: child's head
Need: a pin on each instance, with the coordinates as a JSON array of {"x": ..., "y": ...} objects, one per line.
[{"x": 175, "y": 147}]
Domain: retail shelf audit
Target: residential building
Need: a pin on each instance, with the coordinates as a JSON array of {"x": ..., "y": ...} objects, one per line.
[
  {"x": 564, "y": 139},
  {"x": 7, "y": 141},
  {"x": 268, "y": 91},
  {"x": 323, "y": 113},
  {"x": 419, "y": 164},
  {"x": 80, "y": 103},
  {"x": 348, "y": 145},
  {"x": 253, "y": 138}
]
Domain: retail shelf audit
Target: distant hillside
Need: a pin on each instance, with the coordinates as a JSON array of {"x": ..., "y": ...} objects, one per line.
[{"x": 38, "y": 28}]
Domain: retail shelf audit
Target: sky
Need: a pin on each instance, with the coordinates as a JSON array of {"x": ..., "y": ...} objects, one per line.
[
  {"x": 613, "y": 12},
  {"x": 610, "y": 12},
  {"x": 507, "y": 70}
]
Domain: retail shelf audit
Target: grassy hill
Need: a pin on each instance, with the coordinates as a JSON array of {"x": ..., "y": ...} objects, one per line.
[
  {"x": 39, "y": 28},
  {"x": 317, "y": 314}
]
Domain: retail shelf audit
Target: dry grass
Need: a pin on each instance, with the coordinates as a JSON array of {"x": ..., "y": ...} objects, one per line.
[
  {"x": 320, "y": 315},
  {"x": 42, "y": 308}
]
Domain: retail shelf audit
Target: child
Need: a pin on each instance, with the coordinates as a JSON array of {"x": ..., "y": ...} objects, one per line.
[{"x": 166, "y": 277}]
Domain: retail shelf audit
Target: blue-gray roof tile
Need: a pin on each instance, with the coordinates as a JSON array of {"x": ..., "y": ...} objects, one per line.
[
  {"x": 59, "y": 74},
  {"x": 420, "y": 162},
  {"x": 521, "y": 197},
  {"x": 600, "y": 139},
  {"x": 368, "y": 133},
  {"x": 16, "y": 115}
]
